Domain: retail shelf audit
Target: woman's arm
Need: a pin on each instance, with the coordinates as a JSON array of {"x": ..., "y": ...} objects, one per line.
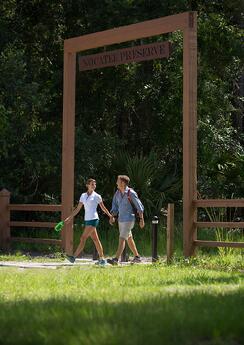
[
  {"x": 105, "y": 210},
  {"x": 115, "y": 208},
  {"x": 74, "y": 213},
  {"x": 111, "y": 217}
]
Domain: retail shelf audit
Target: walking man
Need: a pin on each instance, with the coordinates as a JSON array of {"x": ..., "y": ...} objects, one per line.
[{"x": 125, "y": 205}]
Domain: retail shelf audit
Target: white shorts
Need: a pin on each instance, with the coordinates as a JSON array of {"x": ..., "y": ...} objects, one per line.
[{"x": 125, "y": 229}]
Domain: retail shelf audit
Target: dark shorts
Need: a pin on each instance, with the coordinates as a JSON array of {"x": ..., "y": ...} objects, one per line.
[{"x": 93, "y": 222}]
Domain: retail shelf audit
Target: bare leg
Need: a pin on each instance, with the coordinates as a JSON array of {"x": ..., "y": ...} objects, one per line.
[
  {"x": 132, "y": 246},
  {"x": 84, "y": 237},
  {"x": 96, "y": 240},
  {"x": 121, "y": 247}
]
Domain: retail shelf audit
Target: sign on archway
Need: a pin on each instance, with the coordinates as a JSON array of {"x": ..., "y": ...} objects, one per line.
[
  {"x": 187, "y": 23},
  {"x": 127, "y": 55}
]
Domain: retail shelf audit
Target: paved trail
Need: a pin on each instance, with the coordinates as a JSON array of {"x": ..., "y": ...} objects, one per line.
[{"x": 54, "y": 265}]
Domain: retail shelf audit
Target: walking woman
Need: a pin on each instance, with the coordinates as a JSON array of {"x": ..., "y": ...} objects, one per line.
[{"x": 90, "y": 199}]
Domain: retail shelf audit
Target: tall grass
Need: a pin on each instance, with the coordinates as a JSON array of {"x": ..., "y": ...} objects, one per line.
[{"x": 222, "y": 234}]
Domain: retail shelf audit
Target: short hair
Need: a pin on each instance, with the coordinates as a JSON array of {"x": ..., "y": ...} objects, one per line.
[
  {"x": 89, "y": 181},
  {"x": 124, "y": 178}
]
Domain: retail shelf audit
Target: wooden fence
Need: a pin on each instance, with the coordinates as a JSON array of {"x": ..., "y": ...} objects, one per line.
[
  {"x": 6, "y": 223},
  {"x": 223, "y": 203}
]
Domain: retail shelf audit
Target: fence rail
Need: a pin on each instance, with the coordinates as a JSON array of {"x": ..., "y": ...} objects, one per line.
[
  {"x": 32, "y": 224},
  {"x": 219, "y": 203},
  {"x": 35, "y": 207},
  {"x": 201, "y": 243},
  {"x": 220, "y": 224},
  {"x": 205, "y": 203},
  {"x": 36, "y": 240}
]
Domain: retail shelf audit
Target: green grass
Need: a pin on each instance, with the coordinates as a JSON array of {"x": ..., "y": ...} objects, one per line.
[{"x": 193, "y": 302}]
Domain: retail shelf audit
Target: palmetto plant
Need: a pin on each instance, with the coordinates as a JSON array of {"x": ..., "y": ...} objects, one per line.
[{"x": 150, "y": 178}]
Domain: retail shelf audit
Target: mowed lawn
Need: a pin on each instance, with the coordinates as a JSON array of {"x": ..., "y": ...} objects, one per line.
[{"x": 177, "y": 304}]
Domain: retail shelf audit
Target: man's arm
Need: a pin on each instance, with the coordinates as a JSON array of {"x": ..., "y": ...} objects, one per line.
[
  {"x": 136, "y": 201},
  {"x": 142, "y": 222},
  {"x": 140, "y": 208}
]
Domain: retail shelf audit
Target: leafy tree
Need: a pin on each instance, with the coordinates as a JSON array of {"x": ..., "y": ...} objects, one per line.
[{"x": 136, "y": 108}]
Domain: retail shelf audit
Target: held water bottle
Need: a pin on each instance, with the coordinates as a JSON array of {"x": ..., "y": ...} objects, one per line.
[{"x": 59, "y": 226}]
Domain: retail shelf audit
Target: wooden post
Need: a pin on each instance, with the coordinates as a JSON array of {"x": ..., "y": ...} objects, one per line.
[
  {"x": 189, "y": 133},
  {"x": 4, "y": 219},
  {"x": 170, "y": 232},
  {"x": 68, "y": 148}
]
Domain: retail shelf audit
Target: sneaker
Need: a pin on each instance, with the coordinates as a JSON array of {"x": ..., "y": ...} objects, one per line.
[
  {"x": 70, "y": 258},
  {"x": 101, "y": 262},
  {"x": 136, "y": 260},
  {"x": 113, "y": 261}
]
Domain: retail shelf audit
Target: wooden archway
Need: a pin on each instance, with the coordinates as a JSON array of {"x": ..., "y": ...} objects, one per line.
[{"x": 187, "y": 23}]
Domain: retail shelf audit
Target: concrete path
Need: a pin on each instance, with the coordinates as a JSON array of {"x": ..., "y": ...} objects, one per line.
[
  {"x": 50, "y": 265},
  {"x": 54, "y": 265}
]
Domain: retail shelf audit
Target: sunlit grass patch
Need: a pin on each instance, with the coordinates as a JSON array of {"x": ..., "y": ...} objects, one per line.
[{"x": 159, "y": 304}]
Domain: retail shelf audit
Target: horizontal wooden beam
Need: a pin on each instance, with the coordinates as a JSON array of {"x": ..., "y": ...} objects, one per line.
[
  {"x": 33, "y": 224},
  {"x": 130, "y": 32},
  {"x": 219, "y": 203},
  {"x": 220, "y": 224},
  {"x": 36, "y": 240},
  {"x": 200, "y": 243},
  {"x": 35, "y": 207}
]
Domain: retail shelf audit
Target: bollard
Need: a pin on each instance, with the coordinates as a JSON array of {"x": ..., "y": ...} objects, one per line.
[
  {"x": 170, "y": 232},
  {"x": 95, "y": 253},
  {"x": 155, "y": 239},
  {"x": 124, "y": 255}
]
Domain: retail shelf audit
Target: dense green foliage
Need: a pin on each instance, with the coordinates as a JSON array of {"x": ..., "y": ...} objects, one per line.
[{"x": 129, "y": 117}]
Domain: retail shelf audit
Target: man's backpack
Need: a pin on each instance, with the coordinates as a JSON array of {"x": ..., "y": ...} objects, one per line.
[{"x": 133, "y": 206}]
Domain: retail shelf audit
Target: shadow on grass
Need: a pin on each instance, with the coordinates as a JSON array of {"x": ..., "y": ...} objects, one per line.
[{"x": 196, "y": 319}]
